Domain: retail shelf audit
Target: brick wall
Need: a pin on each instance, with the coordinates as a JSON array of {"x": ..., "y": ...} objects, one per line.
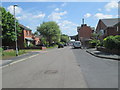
[
  {"x": 21, "y": 40},
  {"x": 100, "y": 26},
  {"x": 37, "y": 40},
  {"x": 27, "y": 33},
  {"x": 85, "y": 32}
]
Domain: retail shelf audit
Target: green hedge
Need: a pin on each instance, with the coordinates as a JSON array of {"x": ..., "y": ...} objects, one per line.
[
  {"x": 95, "y": 42},
  {"x": 112, "y": 42}
]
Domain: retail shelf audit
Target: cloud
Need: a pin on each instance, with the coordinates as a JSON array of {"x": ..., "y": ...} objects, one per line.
[
  {"x": 18, "y": 18},
  {"x": 41, "y": 15},
  {"x": 17, "y": 10},
  {"x": 55, "y": 16},
  {"x": 111, "y": 5},
  {"x": 101, "y": 16},
  {"x": 68, "y": 26},
  {"x": 87, "y": 15},
  {"x": 28, "y": 17},
  {"x": 64, "y": 4},
  {"x": 57, "y": 9},
  {"x": 65, "y": 25},
  {"x": 99, "y": 9}
]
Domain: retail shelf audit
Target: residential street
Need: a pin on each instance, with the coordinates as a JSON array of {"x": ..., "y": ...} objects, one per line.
[
  {"x": 62, "y": 68},
  {"x": 98, "y": 72}
]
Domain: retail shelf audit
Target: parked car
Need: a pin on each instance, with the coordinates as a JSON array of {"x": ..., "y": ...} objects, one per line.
[
  {"x": 60, "y": 46},
  {"x": 42, "y": 45},
  {"x": 65, "y": 44},
  {"x": 77, "y": 44}
]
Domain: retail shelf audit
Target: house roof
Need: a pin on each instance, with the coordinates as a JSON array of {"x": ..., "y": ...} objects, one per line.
[
  {"x": 26, "y": 28},
  {"x": 110, "y": 22}
]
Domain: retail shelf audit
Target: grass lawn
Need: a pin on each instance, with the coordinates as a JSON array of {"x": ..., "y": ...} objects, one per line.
[{"x": 12, "y": 53}]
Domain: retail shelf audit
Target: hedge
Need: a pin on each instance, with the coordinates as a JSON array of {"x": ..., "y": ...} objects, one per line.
[{"x": 112, "y": 42}]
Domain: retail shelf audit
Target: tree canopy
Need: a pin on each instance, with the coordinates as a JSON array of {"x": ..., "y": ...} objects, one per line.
[
  {"x": 64, "y": 38},
  {"x": 50, "y": 30},
  {"x": 8, "y": 27}
]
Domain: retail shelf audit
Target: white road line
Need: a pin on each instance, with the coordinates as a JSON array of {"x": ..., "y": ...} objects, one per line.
[{"x": 18, "y": 61}]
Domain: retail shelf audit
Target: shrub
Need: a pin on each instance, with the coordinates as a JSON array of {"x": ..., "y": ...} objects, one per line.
[
  {"x": 25, "y": 44},
  {"x": 1, "y": 50},
  {"x": 95, "y": 42},
  {"x": 112, "y": 42},
  {"x": 117, "y": 41},
  {"x": 31, "y": 45}
]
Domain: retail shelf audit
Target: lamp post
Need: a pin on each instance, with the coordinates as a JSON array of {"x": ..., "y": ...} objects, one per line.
[{"x": 15, "y": 31}]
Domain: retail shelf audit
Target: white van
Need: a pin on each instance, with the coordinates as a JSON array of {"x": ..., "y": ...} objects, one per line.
[{"x": 77, "y": 44}]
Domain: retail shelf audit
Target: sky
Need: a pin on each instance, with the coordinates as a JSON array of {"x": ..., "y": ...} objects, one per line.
[{"x": 68, "y": 15}]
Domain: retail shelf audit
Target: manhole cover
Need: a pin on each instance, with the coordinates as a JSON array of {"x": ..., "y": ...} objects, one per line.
[{"x": 50, "y": 71}]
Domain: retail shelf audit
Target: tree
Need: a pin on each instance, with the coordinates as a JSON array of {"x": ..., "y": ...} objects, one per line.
[
  {"x": 64, "y": 38},
  {"x": 8, "y": 27},
  {"x": 50, "y": 30},
  {"x": 36, "y": 33},
  {"x": 95, "y": 35}
]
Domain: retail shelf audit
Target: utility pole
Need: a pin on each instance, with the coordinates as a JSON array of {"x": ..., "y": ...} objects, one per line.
[{"x": 16, "y": 47}]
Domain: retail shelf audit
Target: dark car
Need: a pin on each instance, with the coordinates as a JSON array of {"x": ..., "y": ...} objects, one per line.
[
  {"x": 42, "y": 45},
  {"x": 65, "y": 44},
  {"x": 60, "y": 46}
]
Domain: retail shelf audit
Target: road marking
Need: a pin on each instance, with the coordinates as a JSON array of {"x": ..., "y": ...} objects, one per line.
[{"x": 18, "y": 61}]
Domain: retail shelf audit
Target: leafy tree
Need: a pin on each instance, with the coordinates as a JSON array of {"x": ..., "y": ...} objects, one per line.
[
  {"x": 43, "y": 40},
  {"x": 8, "y": 27},
  {"x": 50, "y": 31},
  {"x": 36, "y": 33},
  {"x": 64, "y": 38},
  {"x": 95, "y": 35}
]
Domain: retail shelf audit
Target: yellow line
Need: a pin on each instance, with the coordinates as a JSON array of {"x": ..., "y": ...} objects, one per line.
[{"x": 18, "y": 61}]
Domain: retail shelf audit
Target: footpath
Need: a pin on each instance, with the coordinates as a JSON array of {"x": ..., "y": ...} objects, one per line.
[{"x": 100, "y": 54}]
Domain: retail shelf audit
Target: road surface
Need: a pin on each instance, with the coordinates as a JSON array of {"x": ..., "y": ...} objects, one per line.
[
  {"x": 55, "y": 68},
  {"x": 62, "y": 68},
  {"x": 98, "y": 72}
]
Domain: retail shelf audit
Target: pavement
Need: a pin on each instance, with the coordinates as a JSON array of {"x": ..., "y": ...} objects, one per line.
[{"x": 100, "y": 54}]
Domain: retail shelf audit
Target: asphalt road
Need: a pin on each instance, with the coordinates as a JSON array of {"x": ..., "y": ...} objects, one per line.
[
  {"x": 62, "y": 68},
  {"x": 56, "y": 68},
  {"x": 98, "y": 72}
]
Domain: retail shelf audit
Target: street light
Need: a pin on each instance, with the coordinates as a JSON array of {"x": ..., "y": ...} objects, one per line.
[{"x": 15, "y": 31}]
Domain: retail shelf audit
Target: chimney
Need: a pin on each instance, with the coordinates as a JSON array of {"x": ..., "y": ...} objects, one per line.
[{"x": 83, "y": 21}]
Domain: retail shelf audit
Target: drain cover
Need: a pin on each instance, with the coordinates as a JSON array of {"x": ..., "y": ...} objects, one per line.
[{"x": 50, "y": 71}]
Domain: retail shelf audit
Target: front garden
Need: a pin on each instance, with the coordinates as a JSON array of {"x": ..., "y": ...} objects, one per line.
[{"x": 110, "y": 44}]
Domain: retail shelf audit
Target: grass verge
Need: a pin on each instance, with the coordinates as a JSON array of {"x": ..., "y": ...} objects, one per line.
[{"x": 12, "y": 53}]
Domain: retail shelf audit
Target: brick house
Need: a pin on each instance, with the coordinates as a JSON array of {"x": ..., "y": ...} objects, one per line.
[
  {"x": 25, "y": 37},
  {"x": 107, "y": 27},
  {"x": 36, "y": 39},
  {"x": 84, "y": 34}
]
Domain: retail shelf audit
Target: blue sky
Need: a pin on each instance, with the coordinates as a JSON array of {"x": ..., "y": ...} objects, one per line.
[{"x": 68, "y": 15}]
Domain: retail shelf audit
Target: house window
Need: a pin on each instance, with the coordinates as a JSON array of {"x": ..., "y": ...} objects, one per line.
[
  {"x": 27, "y": 33},
  {"x": 102, "y": 32},
  {"x": 117, "y": 29},
  {"x": 30, "y": 33}
]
